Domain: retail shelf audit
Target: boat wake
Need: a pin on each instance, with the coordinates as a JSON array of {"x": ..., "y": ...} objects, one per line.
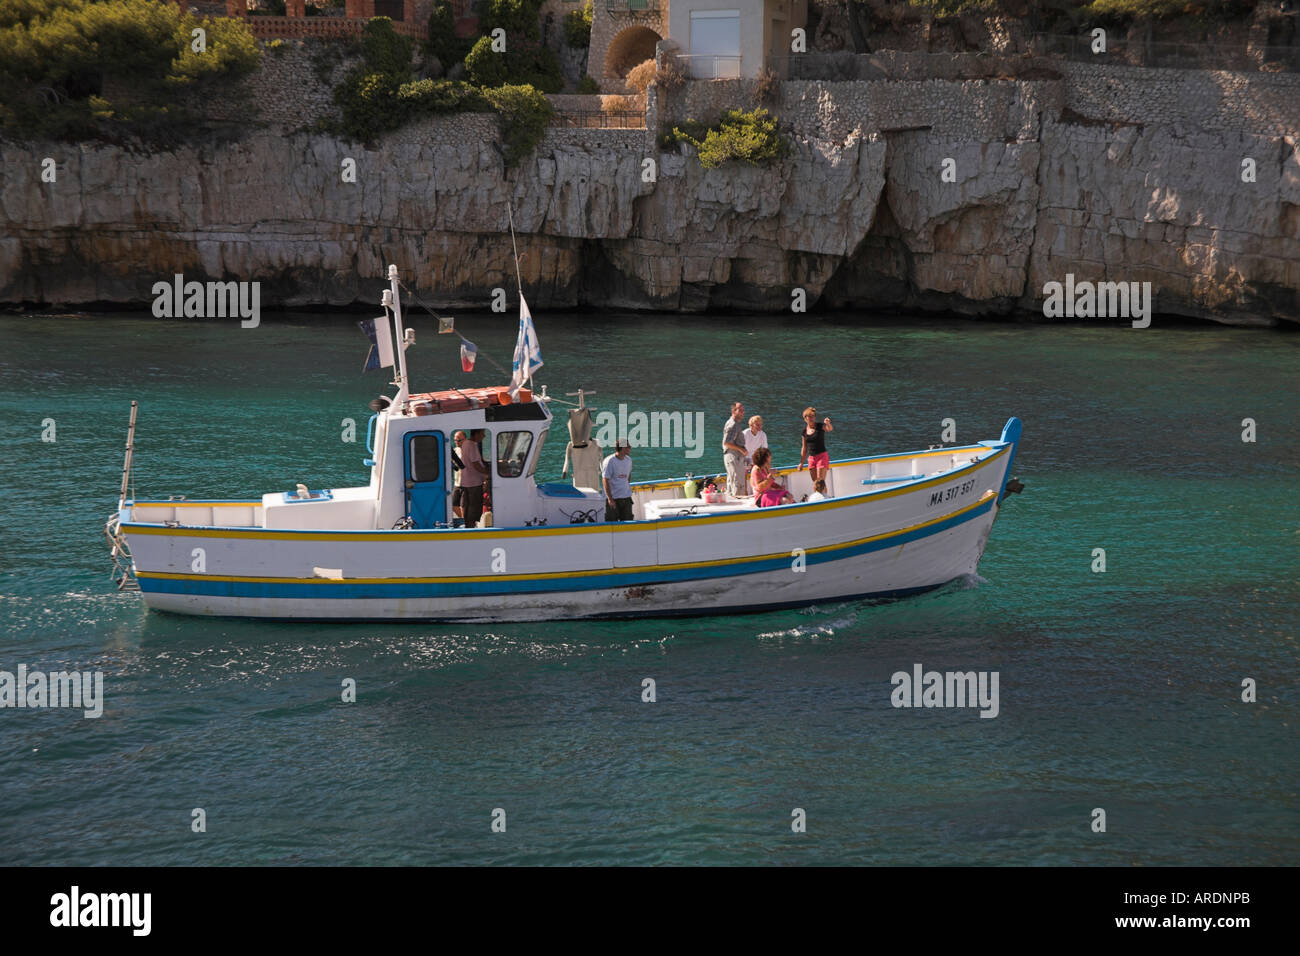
[{"x": 812, "y": 630}]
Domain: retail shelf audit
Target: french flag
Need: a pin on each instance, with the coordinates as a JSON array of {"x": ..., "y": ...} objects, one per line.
[{"x": 468, "y": 352}]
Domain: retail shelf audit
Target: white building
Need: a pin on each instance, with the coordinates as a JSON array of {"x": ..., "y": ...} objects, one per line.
[{"x": 717, "y": 39}]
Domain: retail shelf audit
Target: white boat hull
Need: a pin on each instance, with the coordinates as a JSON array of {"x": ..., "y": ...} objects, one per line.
[
  {"x": 896, "y": 571},
  {"x": 901, "y": 539}
]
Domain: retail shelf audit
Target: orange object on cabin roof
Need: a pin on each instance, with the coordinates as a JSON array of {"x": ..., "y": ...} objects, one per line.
[{"x": 461, "y": 399}]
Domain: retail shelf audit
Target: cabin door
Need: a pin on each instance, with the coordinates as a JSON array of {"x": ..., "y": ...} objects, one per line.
[{"x": 426, "y": 482}]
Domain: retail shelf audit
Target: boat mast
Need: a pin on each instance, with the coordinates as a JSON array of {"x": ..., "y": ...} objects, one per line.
[
  {"x": 399, "y": 339},
  {"x": 519, "y": 282},
  {"x": 130, "y": 453}
]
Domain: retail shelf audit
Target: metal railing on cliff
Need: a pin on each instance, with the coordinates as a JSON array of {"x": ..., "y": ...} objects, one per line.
[
  {"x": 599, "y": 119},
  {"x": 268, "y": 28}
]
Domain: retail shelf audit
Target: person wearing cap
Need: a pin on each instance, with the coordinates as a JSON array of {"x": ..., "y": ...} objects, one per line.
[{"x": 616, "y": 472}]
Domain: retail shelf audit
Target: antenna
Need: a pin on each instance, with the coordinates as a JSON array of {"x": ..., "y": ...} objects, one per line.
[
  {"x": 399, "y": 340},
  {"x": 519, "y": 282},
  {"x": 582, "y": 394}
]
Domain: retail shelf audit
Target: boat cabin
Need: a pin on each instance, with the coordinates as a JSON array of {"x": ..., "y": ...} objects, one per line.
[{"x": 412, "y": 474}]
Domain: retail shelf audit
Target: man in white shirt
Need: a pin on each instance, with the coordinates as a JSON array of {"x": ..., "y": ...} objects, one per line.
[
  {"x": 616, "y": 473},
  {"x": 755, "y": 438}
]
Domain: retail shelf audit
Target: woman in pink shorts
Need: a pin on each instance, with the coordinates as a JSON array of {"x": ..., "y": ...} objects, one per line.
[
  {"x": 814, "y": 444},
  {"x": 768, "y": 491}
]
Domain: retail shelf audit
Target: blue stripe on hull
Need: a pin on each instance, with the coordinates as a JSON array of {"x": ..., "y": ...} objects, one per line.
[{"x": 213, "y": 587}]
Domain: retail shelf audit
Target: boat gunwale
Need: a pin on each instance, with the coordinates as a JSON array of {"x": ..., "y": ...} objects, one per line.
[{"x": 906, "y": 484}]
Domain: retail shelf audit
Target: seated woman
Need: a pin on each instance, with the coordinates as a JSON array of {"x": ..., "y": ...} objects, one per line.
[{"x": 768, "y": 491}]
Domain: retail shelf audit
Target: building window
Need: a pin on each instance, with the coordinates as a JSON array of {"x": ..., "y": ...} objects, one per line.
[{"x": 715, "y": 44}]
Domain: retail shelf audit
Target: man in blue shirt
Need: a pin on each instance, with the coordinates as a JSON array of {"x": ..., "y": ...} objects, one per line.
[{"x": 617, "y": 472}]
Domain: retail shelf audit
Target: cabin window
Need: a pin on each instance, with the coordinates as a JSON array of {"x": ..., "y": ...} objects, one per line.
[
  {"x": 425, "y": 465},
  {"x": 512, "y": 453},
  {"x": 541, "y": 440}
]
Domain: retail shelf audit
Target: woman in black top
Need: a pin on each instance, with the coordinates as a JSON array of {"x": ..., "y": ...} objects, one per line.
[{"x": 814, "y": 444}]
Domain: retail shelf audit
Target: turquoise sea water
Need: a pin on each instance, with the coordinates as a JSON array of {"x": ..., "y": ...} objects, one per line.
[{"x": 1119, "y": 690}]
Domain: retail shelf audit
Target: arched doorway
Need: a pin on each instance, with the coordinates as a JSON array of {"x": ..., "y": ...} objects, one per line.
[{"x": 628, "y": 48}]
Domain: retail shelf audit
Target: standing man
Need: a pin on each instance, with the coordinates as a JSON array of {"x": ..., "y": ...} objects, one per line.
[
  {"x": 734, "y": 455},
  {"x": 617, "y": 472},
  {"x": 472, "y": 477},
  {"x": 457, "y": 466}
]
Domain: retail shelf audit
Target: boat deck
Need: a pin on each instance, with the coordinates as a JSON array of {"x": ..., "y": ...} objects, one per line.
[
  {"x": 667, "y": 499},
  {"x": 353, "y": 508}
]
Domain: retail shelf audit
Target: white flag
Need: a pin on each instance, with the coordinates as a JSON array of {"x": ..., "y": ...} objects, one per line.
[
  {"x": 528, "y": 353},
  {"x": 381, "y": 342}
]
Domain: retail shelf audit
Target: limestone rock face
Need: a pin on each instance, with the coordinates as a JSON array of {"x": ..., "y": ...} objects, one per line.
[
  {"x": 280, "y": 210},
  {"x": 1171, "y": 208},
  {"x": 880, "y": 215}
]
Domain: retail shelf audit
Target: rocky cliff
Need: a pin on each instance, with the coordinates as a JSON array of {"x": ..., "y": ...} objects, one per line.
[{"x": 966, "y": 195}]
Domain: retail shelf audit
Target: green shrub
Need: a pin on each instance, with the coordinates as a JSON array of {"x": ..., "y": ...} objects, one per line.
[
  {"x": 750, "y": 137},
  {"x": 56, "y": 55},
  {"x": 526, "y": 62},
  {"x": 443, "y": 42},
  {"x": 424, "y": 97},
  {"x": 379, "y": 95},
  {"x": 367, "y": 95},
  {"x": 690, "y": 131},
  {"x": 523, "y": 113},
  {"x": 384, "y": 50},
  {"x": 588, "y": 84},
  {"x": 519, "y": 18},
  {"x": 747, "y": 137},
  {"x": 485, "y": 67},
  {"x": 539, "y": 66},
  {"x": 368, "y": 103},
  {"x": 1120, "y": 12},
  {"x": 577, "y": 27},
  {"x": 948, "y": 8}
]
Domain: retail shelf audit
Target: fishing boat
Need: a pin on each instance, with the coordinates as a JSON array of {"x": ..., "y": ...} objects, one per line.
[{"x": 892, "y": 525}]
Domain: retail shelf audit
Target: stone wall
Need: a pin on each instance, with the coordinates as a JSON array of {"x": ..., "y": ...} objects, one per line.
[
  {"x": 285, "y": 89},
  {"x": 455, "y": 129},
  {"x": 974, "y": 109},
  {"x": 1203, "y": 99}
]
